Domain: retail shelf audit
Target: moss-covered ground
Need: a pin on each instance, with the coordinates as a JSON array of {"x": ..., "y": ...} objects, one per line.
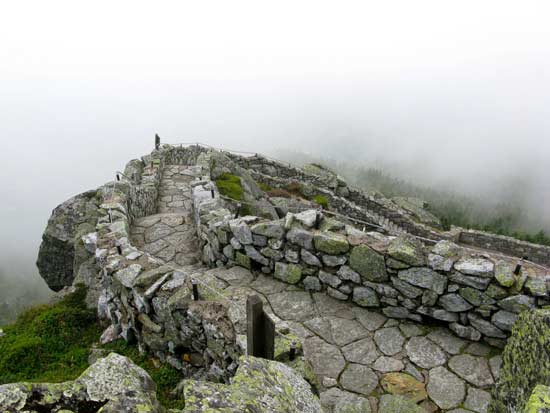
[
  {"x": 51, "y": 343},
  {"x": 230, "y": 186}
]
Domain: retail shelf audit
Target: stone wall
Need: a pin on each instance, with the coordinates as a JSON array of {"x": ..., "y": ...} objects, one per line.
[
  {"x": 381, "y": 211},
  {"x": 146, "y": 301},
  {"x": 507, "y": 245},
  {"x": 476, "y": 296}
]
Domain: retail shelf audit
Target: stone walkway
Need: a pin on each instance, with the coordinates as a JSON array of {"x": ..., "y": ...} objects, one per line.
[
  {"x": 357, "y": 355},
  {"x": 170, "y": 235}
]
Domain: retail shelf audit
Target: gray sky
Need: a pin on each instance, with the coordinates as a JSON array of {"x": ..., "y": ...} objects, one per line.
[{"x": 447, "y": 93}]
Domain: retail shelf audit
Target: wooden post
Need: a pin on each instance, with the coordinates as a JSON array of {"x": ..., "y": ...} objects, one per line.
[{"x": 260, "y": 329}]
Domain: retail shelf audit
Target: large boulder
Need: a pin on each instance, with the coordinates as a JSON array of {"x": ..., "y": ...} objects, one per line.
[
  {"x": 259, "y": 385},
  {"x": 62, "y": 251},
  {"x": 112, "y": 384}
]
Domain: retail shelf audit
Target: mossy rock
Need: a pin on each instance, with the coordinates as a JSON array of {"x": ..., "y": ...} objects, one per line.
[
  {"x": 539, "y": 402},
  {"x": 526, "y": 362},
  {"x": 368, "y": 263}
]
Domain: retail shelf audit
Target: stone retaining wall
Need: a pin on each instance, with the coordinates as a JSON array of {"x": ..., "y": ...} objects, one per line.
[
  {"x": 476, "y": 296},
  {"x": 507, "y": 245},
  {"x": 148, "y": 302}
]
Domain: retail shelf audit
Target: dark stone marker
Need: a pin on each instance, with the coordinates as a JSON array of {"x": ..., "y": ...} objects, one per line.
[
  {"x": 157, "y": 141},
  {"x": 260, "y": 329},
  {"x": 195, "y": 286}
]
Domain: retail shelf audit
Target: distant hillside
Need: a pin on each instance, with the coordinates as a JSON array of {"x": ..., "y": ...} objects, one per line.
[{"x": 452, "y": 208}]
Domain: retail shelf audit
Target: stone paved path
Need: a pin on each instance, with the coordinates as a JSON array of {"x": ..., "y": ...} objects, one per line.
[
  {"x": 357, "y": 355},
  {"x": 170, "y": 235}
]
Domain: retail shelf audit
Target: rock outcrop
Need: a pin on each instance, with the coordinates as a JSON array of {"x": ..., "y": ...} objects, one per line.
[
  {"x": 61, "y": 251},
  {"x": 112, "y": 384}
]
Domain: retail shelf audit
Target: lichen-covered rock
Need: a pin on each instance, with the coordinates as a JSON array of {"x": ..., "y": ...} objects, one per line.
[
  {"x": 330, "y": 243},
  {"x": 365, "y": 297},
  {"x": 112, "y": 383},
  {"x": 368, "y": 263},
  {"x": 407, "y": 249},
  {"x": 405, "y": 385},
  {"x": 289, "y": 273},
  {"x": 539, "y": 402},
  {"x": 259, "y": 385},
  {"x": 504, "y": 274},
  {"x": 69, "y": 221},
  {"x": 398, "y": 404},
  {"x": 477, "y": 266},
  {"x": 424, "y": 278},
  {"x": 525, "y": 362}
]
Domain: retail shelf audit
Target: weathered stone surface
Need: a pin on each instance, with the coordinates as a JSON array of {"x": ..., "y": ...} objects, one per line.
[
  {"x": 307, "y": 218},
  {"x": 504, "y": 274},
  {"x": 369, "y": 319},
  {"x": 258, "y": 385},
  {"x": 425, "y": 353},
  {"x": 292, "y": 305},
  {"x": 255, "y": 255},
  {"x": 475, "y": 297},
  {"x": 241, "y": 231},
  {"x": 445, "y": 388},
  {"x": 56, "y": 257},
  {"x": 289, "y": 273},
  {"x": 474, "y": 370},
  {"x": 312, "y": 283},
  {"x": 504, "y": 320},
  {"x": 454, "y": 303},
  {"x": 437, "y": 313},
  {"x": 329, "y": 279},
  {"x": 388, "y": 364},
  {"x": 405, "y": 385},
  {"x": 338, "y": 401},
  {"x": 365, "y": 297},
  {"x": 517, "y": 303},
  {"x": 396, "y": 312},
  {"x": 406, "y": 289},
  {"x": 326, "y": 360},
  {"x": 466, "y": 332},
  {"x": 271, "y": 229},
  {"x": 309, "y": 258},
  {"x": 334, "y": 260},
  {"x": 425, "y": 278},
  {"x": 389, "y": 340},
  {"x": 536, "y": 286},
  {"x": 359, "y": 379},
  {"x": 368, "y": 263},
  {"x": 330, "y": 243},
  {"x": 398, "y": 404},
  {"x": 475, "y": 282},
  {"x": 407, "y": 249},
  {"x": 363, "y": 351},
  {"x": 480, "y": 267},
  {"x": 127, "y": 276},
  {"x": 485, "y": 327},
  {"x": 447, "y": 341},
  {"x": 477, "y": 400},
  {"x": 347, "y": 274}
]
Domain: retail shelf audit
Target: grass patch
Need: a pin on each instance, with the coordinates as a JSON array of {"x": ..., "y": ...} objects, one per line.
[
  {"x": 321, "y": 200},
  {"x": 166, "y": 377},
  {"x": 264, "y": 187},
  {"x": 230, "y": 186},
  {"x": 49, "y": 343},
  {"x": 294, "y": 188}
]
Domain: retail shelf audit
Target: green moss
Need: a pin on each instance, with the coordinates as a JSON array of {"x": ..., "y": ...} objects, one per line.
[
  {"x": 166, "y": 377},
  {"x": 321, "y": 200},
  {"x": 49, "y": 343},
  {"x": 525, "y": 362},
  {"x": 230, "y": 186}
]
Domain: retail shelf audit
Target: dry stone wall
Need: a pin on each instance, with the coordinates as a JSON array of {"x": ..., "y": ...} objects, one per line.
[
  {"x": 147, "y": 301},
  {"x": 356, "y": 204},
  {"x": 476, "y": 296}
]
